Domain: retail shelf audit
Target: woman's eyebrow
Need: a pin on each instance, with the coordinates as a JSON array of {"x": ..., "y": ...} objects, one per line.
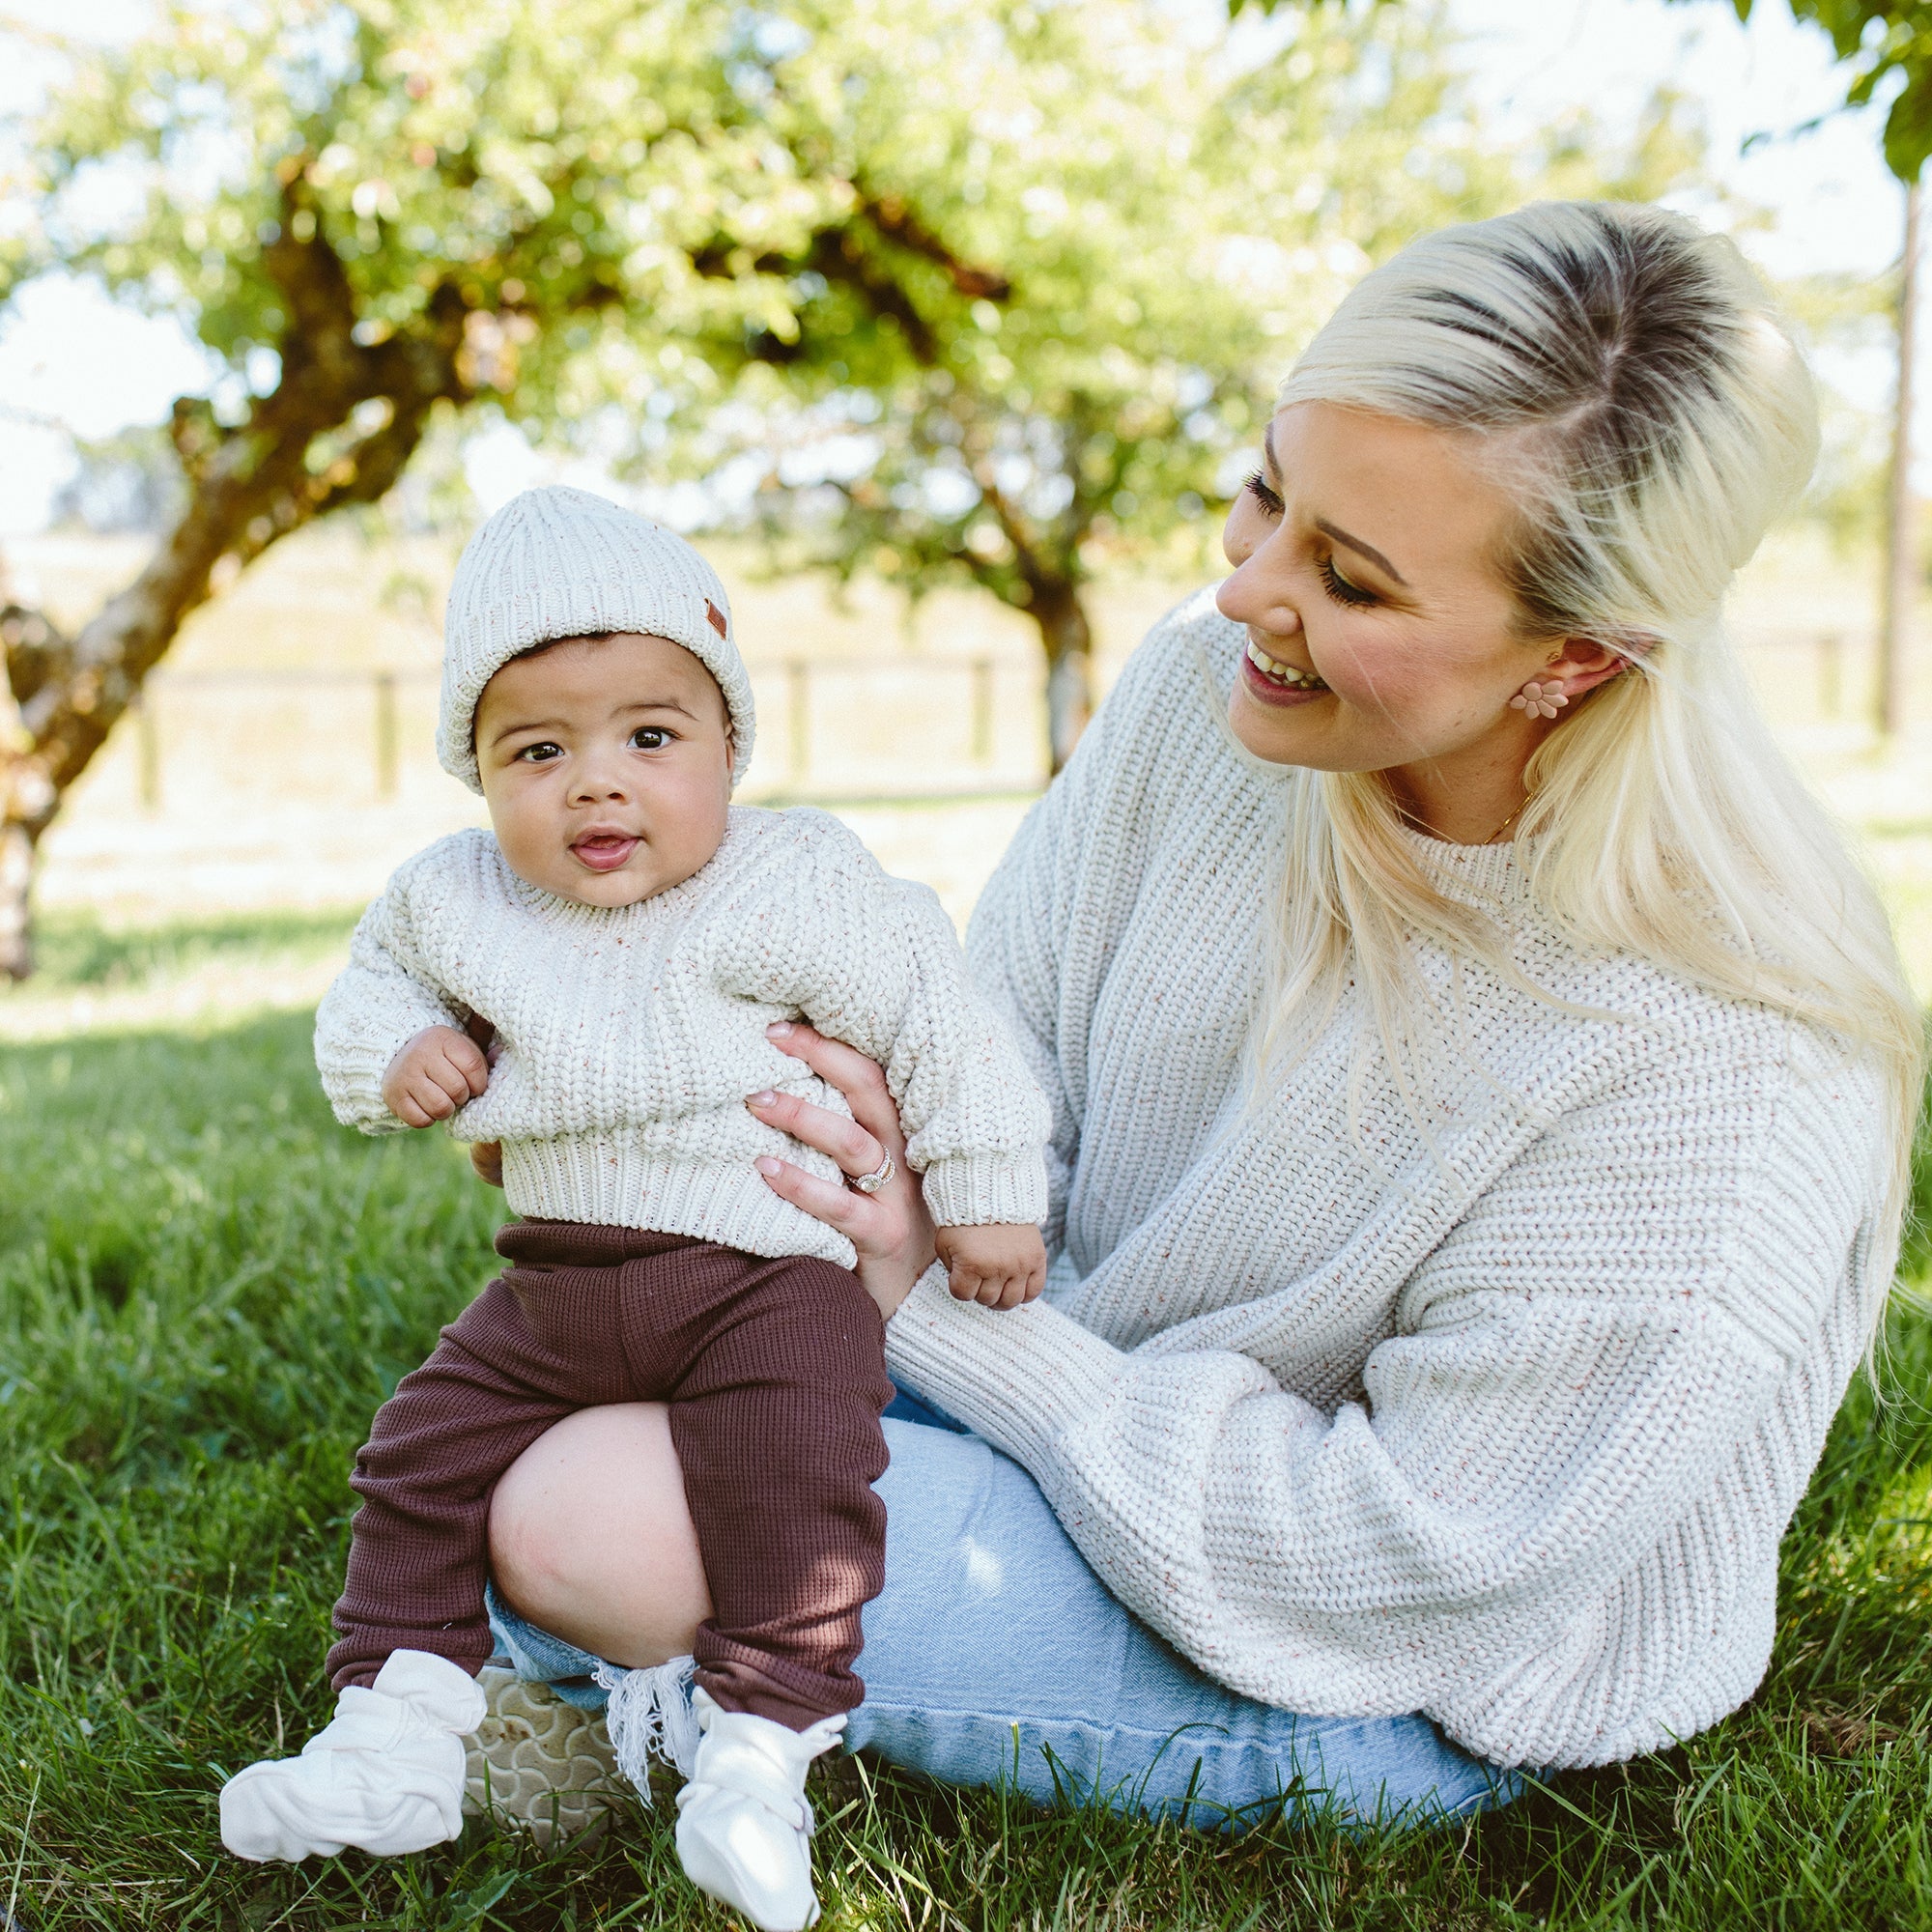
[
  {"x": 1328, "y": 529},
  {"x": 1355, "y": 544}
]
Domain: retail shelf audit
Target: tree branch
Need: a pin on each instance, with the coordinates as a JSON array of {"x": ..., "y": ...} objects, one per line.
[{"x": 248, "y": 487}]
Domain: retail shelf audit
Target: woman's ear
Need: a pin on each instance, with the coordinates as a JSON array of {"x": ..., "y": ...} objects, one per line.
[{"x": 1581, "y": 665}]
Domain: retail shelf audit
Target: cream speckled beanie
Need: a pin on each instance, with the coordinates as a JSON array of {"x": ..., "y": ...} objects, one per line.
[{"x": 562, "y": 563}]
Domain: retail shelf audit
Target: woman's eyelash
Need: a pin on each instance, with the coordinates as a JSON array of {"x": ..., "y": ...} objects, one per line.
[
  {"x": 1339, "y": 587},
  {"x": 1333, "y": 582},
  {"x": 1256, "y": 486}
]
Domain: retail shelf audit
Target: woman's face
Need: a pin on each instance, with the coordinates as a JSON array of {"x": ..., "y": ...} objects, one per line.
[{"x": 1379, "y": 634}]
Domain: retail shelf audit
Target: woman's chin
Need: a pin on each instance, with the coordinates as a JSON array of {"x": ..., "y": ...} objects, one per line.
[{"x": 1283, "y": 733}]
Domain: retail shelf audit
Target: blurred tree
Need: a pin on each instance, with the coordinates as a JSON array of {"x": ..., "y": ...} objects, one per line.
[
  {"x": 1009, "y": 279},
  {"x": 1887, "y": 40},
  {"x": 370, "y": 209},
  {"x": 1882, "y": 39},
  {"x": 1156, "y": 220}
]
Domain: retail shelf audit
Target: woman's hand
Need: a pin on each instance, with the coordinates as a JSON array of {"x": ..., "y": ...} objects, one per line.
[{"x": 890, "y": 1229}]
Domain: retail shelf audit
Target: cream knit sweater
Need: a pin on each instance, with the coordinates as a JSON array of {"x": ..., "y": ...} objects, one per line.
[
  {"x": 630, "y": 1037},
  {"x": 1510, "y": 1438}
]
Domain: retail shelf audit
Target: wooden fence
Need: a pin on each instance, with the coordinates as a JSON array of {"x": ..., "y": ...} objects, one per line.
[{"x": 974, "y": 684}]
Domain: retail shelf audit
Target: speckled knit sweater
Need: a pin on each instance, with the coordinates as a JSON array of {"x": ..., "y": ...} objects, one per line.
[
  {"x": 1508, "y": 1438},
  {"x": 631, "y": 1037}
]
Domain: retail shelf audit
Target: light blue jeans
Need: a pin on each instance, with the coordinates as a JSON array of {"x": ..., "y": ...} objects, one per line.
[{"x": 994, "y": 1654}]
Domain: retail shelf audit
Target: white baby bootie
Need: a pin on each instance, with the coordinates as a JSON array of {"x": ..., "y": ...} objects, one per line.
[
  {"x": 386, "y": 1775},
  {"x": 744, "y": 1830}
]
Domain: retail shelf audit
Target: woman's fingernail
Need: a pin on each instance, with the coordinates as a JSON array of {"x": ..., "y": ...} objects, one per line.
[
  {"x": 766, "y": 1164},
  {"x": 763, "y": 1099},
  {"x": 778, "y": 1028}
]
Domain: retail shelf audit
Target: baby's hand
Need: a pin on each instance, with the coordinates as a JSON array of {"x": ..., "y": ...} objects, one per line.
[
  {"x": 998, "y": 1268},
  {"x": 440, "y": 1071}
]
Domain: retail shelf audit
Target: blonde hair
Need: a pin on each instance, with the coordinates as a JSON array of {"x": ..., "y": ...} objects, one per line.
[{"x": 1624, "y": 374}]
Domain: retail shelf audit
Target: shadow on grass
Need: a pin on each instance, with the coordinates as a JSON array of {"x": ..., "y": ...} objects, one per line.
[{"x": 206, "y": 1287}]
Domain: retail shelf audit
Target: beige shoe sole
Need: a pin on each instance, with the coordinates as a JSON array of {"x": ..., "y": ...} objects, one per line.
[{"x": 539, "y": 1765}]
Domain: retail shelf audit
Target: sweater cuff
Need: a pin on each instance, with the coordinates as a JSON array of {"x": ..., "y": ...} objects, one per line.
[
  {"x": 1019, "y": 1376},
  {"x": 987, "y": 1191},
  {"x": 354, "y": 1085}
]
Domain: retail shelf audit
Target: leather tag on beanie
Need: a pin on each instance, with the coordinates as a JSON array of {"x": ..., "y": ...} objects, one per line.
[{"x": 716, "y": 617}]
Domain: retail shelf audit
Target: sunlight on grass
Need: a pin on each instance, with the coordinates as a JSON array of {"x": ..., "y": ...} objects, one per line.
[{"x": 207, "y": 969}]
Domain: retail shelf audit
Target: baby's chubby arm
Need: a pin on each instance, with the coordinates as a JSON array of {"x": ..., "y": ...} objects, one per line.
[
  {"x": 874, "y": 962},
  {"x": 384, "y": 1008}
]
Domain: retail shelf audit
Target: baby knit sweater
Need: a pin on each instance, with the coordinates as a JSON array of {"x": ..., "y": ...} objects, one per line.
[
  {"x": 630, "y": 1038},
  {"x": 1506, "y": 1433}
]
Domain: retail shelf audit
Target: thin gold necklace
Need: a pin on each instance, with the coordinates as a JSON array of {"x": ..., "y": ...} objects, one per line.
[
  {"x": 1508, "y": 822},
  {"x": 1430, "y": 831}
]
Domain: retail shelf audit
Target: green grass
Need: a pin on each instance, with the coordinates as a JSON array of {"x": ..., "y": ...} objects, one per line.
[
  {"x": 205, "y": 1288},
  {"x": 76, "y": 951}
]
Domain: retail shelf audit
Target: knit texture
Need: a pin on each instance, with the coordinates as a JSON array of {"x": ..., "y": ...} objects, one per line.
[
  {"x": 1509, "y": 1437},
  {"x": 631, "y": 1037},
  {"x": 562, "y": 563}
]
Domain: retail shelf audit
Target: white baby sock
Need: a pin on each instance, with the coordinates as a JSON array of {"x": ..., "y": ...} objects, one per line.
[
  {"x": 385, "y": 1776},
  {"x": 744, "y": 1830}
]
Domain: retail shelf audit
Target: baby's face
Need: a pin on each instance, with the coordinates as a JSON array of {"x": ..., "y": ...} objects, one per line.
[{"x": 607, "y": 767}]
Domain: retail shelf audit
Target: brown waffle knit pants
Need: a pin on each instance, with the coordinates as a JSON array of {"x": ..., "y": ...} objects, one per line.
[{"x": 775, "y": 1374}]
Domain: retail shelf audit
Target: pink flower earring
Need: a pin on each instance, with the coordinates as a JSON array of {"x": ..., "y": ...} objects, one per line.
[{"x": 1539, "y": 700}]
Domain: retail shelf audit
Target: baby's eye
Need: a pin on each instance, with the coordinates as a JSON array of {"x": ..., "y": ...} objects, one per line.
[
  {"x": 540, "y": 754},
  {"x": 650, "y": 738}
]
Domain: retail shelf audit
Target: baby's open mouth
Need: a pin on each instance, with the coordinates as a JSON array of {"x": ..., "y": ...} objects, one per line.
[
  {"x": 604, "y": 851},
  {"x": 1285, "y": 675}
]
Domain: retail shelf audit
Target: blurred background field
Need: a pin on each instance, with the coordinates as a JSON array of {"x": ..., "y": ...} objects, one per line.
[
  {"x": 949, "y": 329},
  {"x": 281, "y": 763}
]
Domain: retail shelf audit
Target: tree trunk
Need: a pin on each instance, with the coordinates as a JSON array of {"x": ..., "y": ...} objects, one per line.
[
  {"x": 17, "y": 879},
  {"x": 1068, "y": 638},
  {"x": 248, "y": 488},
  {"x": 243, "y": 504},
  {"x": 1901, "y": 548}
]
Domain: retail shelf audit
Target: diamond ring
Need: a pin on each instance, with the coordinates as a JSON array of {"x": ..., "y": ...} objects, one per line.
[{"x": 870, "y": 1183}]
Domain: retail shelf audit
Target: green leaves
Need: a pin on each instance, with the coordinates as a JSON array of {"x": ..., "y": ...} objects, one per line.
[
  {"x": 1880, "y": 38},
  {"x": 544, "y": 163}
]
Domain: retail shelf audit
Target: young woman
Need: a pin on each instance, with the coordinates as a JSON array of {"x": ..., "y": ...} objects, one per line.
[{"x": 1482, "y": 1085}]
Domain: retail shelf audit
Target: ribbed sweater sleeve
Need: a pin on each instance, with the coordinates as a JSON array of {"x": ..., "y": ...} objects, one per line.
[
  {"x": 874, "y": 962},
  {"x": 1559, "y": 1403},
  {"x": 1023, "y": 933},
  {"x": 374, "y": 1005}
]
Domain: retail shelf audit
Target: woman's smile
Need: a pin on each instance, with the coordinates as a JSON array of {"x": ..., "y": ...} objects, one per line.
[{"x": 1275, "y": 682}]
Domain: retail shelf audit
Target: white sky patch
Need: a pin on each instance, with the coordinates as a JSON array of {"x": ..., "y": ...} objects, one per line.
[
  {"x": 499, "y": 462},
  {"x": 74, "y": 363},
  {"x": 1835, "y": 204}
]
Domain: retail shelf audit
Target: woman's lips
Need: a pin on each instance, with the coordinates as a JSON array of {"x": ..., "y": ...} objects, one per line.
[
  {"x": 604, "y": 851},
  {"x": 1274, "y": 682}
]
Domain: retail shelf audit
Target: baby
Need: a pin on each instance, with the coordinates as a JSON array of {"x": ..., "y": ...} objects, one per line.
[{"x": 626, "y": 938}]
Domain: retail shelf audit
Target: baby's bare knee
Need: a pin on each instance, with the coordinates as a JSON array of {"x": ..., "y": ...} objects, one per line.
[{"x": 590, "y": 1537}]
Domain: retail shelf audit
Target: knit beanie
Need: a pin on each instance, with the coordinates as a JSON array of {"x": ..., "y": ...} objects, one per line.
[{"x": 562, "y": 563}]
